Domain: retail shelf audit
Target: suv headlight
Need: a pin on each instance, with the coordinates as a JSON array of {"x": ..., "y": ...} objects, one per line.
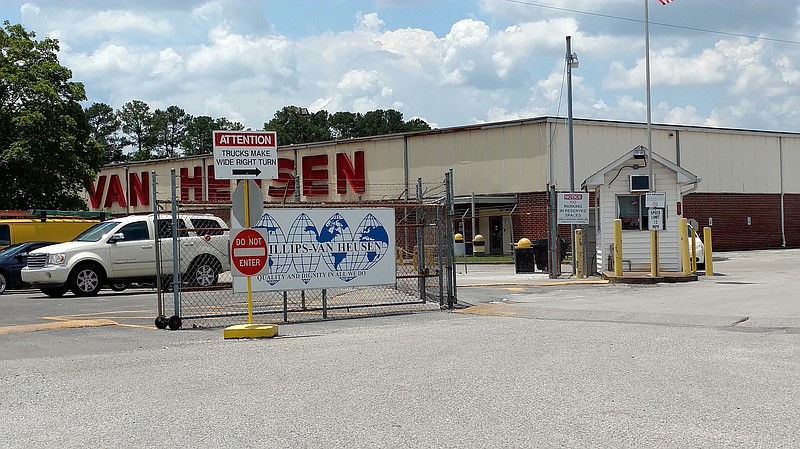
[{"x": 57, "y": 259}]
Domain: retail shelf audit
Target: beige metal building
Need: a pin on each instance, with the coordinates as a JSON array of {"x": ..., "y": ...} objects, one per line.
[{"x": 749, "y": 190}]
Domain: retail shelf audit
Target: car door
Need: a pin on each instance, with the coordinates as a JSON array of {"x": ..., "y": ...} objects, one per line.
[{"x": 133, "y": 254}]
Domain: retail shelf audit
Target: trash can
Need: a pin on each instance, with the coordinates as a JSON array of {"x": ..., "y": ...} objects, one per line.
[
  {"x": 479, "y": 245},
  {"x": 540, "y": 254},
  {"x": 524, "y": 257}
]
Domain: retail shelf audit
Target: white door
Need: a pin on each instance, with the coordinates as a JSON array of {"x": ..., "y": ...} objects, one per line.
[{"x": 133, "y": 255}]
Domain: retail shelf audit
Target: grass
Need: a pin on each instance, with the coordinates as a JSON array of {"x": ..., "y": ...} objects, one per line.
[{"x": 485, "y": 259}]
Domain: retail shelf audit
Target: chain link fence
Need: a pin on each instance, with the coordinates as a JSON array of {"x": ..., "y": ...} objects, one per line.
[{"x": 196, "y": 282}]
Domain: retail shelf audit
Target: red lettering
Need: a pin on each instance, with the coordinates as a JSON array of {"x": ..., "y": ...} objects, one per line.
[
  {"x": 139, "y": 189},
  {"x": 218, "y": 189},
  {"x": 283, "y": 185},
  {"x": 346, "y": 172},
  {"x": 195, "y": 183},
  {"x": 315, "y": 179},
  {"x": 115, "y": 193},
  {"x": 96, "y": 193}
]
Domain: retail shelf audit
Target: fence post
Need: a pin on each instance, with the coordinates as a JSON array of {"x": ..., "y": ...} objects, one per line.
[
  {"x": 420, "y": 243},
  {"x": 176, "y": 272},
  {"x": 439, "y": 249},
  {"x": 157, "y": 239}
]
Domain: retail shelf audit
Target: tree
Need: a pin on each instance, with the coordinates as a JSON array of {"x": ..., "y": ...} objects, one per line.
[
  {"x": 104, "y": 128},
  {"x": 167, "y": 130},
  {"x": 136, "y": 120},
  {"x": 199, "y": 131},
  {"x": 295, "y": 125},
  {"x": 46, "y": 153}
]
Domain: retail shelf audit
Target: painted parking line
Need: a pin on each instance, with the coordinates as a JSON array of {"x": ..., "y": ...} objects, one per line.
[{"x": 55, "y": 325}]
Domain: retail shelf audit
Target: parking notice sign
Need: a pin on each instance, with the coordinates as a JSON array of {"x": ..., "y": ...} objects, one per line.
[
  {"x": 655, "y": 220},
  {"x": 573, "y": 208}
]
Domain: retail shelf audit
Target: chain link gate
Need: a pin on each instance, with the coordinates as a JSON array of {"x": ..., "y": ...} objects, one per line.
[{"x": 203, "y": 298}]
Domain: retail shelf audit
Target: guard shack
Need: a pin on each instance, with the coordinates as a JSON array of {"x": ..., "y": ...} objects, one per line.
[{"x": 620, "y": 190}]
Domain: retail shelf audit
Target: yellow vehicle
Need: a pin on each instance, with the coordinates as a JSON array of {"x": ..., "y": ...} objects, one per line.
[{"x": 19, "y": 230}]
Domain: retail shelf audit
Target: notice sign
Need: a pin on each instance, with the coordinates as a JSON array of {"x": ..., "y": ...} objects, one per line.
[
  {"x": 573, "y": 208},
  {"x": 656, "y": 199},
  {"x": 656, "y": 219},
  {"x": 245, "y": 154}
]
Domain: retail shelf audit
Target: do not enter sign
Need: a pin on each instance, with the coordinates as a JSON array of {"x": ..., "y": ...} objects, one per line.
[{"x": 249, "y": 251}]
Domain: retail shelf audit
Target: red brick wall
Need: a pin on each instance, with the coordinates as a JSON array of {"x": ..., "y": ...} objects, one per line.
[{"x": 729, "y": 211}]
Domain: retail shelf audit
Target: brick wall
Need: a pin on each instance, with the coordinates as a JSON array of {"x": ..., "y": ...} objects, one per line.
[{"x": 729, "y": 211}]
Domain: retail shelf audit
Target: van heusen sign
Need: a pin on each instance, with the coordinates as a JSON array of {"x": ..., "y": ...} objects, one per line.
[
  {"x": 348, "y": 173},
  {"x": 573, "y": 208},
  {"x": 325, "y": 248}
]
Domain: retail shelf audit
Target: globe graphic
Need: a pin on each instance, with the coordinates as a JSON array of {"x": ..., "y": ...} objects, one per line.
[
  {"x": 276, "y": 263},
  {"x": 371, "y": 230},
  {"x": 336, "y": 231},
  {"x": 302, "y": 232}
]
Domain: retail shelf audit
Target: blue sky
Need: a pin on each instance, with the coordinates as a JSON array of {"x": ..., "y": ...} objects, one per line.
[{"x": 733, "y": 63}]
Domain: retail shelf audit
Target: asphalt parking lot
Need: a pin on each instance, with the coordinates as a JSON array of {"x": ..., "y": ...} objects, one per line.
[{"x": 532, "y": 363}]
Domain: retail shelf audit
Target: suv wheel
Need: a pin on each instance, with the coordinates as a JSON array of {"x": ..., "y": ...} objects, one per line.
[
  {"x": 85, "y": 280},
  {"x": 3, "y": 283},
  {"x": 204, "y": 273}
]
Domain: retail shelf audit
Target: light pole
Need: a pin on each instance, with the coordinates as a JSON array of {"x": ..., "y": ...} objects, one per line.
[{"x": 572, "y": 63}]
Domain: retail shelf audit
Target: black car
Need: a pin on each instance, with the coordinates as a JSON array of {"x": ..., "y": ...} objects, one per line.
[{"x": 12, "y": 259}]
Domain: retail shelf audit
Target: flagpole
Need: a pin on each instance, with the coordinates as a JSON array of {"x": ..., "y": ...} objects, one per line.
[{"x": 650, "y": 181}]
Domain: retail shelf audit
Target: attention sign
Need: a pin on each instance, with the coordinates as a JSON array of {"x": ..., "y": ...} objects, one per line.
[{"x": 245, "y": 154}]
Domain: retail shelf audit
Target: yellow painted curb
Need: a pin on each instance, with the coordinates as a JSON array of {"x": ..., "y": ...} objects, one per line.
[
  {"x": 67, "y": 324},
  {"x": 250, "y": 331}
]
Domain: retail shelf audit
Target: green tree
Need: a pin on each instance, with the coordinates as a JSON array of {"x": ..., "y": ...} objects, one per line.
[
  {"x": 167, "y": 130},
  {"x": 296, "y": 125},
  {"x": 104, "y": 128},
  {"x": 46, "y": 153},
  {"x": 136, "y": 120},
  {"x": 199, "y": 130}
]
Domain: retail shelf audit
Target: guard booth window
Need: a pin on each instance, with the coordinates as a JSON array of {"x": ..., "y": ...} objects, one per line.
[{"x": 631, "y": 210}]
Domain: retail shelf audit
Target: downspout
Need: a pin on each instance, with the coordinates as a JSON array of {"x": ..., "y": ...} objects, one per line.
[
  {"x": 783, "y": 210},
  {"x": 405, "y": 166}
]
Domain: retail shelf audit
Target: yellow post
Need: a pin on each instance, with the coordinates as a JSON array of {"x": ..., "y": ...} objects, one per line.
[
  {"x": 654, "y": 254},
  {"x": 683, "y": 236},
  {"x": 617, "y": 247},
  {"x": 694, "y": 251},
  {"x": 707, "y": 249},
  {"x": 578, "y": 242},
  {"x": 247, "y": 225}
]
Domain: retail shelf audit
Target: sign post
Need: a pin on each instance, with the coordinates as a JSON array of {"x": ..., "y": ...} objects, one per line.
[
  {"x": 247, "y": 155},
  {"x": 656, "y": 203}
]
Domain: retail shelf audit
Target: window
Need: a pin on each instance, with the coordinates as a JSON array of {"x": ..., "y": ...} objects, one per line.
[
  {"x": 165, "y": 228},
  {"x": 631, "y": 210},
  {"x": 5, "y": 235},
  {"x": 206, "y": 226},
  {"x": 633, "y": 213},
  {"x": 135, "y": 231}
]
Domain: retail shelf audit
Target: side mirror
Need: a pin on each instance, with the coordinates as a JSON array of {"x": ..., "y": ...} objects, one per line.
[{"x": 116, "y": 237}]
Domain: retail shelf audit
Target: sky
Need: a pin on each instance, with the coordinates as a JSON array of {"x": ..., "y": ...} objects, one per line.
[{"x": 720, "y": 63}]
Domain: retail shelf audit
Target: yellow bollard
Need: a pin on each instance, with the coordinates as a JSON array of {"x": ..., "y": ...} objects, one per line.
[
  {"x": 578, "y": 242},
  {"x": 707, "y": 249},
  {"x": 618, "y": 247},
  {"x": 694, "y": 251},
  {"x": 654, "y": 268},
  {"x": 683, "y": 236}
]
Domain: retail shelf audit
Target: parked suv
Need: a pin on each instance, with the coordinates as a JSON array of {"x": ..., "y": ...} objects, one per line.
[{"x": 121, "y": 251}]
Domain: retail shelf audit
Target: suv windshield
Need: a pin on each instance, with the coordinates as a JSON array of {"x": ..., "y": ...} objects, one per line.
[{"x": 96, "y": 232}]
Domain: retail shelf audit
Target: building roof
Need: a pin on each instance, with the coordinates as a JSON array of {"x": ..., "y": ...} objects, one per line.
[{"x": 594, "y": 181}]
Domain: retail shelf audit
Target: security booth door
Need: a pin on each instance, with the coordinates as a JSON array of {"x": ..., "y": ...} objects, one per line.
[
  {"x": 132, "y": 254},
  {"x": 496, "y": 236}
]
